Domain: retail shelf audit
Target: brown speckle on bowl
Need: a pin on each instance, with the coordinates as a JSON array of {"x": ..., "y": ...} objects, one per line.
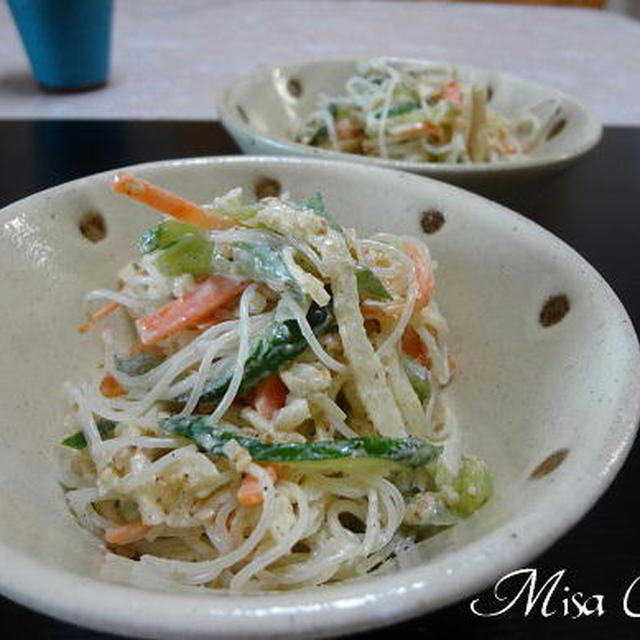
[
  {"x": 92, "y": 226},
  {"x": 556, "y": 129},
  {"x": 294, "y": 87},
  {"x": 267, "y": 188},
  {"x": 431, "y": 220},
  {"x": 549, "y": 464},
  {"x": 554, "y": 309},
  {"x": 489, "y": 93}
]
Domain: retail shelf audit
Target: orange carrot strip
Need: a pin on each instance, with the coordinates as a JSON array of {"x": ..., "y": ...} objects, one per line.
[
  {"x": 223, "y": 314},
  {"x": 126, "y": 533},
  {"x": 98, "y": 315},
  {"x": 413, "y": 346},
  {"x": 189, "y": 309},
  {"x": 169, "y": 203},
  {"x": 370, "y": 312},
  {"x": 452, "y": 92},
  {"x": 270, "y": 395},
  {"x": 250, "y": 491},
  {"x": 454, "y": 364},
  {"x": 111, "y": 388},
  {"x": 423, "y": 273}
]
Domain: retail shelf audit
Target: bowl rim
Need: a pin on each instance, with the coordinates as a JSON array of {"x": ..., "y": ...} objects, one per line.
[
  {"x": 280, "y": 144},
  {"x": 352, "y": 606}
]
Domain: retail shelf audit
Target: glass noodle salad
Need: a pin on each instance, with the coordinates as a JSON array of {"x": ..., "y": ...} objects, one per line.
[
  {"x": 277, "y": 416},
  {"x": 423, "y": 113}
]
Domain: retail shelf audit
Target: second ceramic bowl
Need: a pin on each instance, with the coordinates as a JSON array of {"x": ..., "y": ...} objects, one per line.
[{"x": 263, "y": 112}]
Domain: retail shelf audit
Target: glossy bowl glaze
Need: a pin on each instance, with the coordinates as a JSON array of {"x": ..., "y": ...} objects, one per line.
[
  {"x": 264, "y": 111},
  {"x": 549, "y": 392}
]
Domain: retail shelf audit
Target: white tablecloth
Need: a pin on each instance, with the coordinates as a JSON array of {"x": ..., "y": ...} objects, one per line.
[{"x": 172, "y": 57}]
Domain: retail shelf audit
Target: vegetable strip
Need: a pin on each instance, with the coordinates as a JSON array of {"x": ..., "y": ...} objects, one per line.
[
  {"x": 127, "y": 533},
  {"x": 110, "y": 307},
  {"x": 270, "y": 396},
  {"x": 169, "y": 203},
  {"x": 401, "y": 451},
  {"x": 368, "y": 371},
  {"x": 189, "y": 309}
]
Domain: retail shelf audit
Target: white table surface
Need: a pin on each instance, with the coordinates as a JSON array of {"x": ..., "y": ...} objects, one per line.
[{"x": 171, "y": 58}]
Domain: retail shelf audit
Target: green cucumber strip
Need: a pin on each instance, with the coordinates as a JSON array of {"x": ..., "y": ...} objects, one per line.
[
  {"x": 189, "y": 254},
  {"x": 316, "y": 203},
  {"x": 473, "y": 484},
  {"x": 164, "y": 234},
  {"x": 409, "y": 452},
  {"x": 398, "y": 109},
  {"x": 78, "y": 441},
  {"x": 235, "y": 208},
  {"x": 369, "y": 285},
  {"x": 280, "y": 343},
  {"x": 419, "y": 377},
  {"x": 258, "y": 261},
  {"x": 320, "y": 136},
  {"x": 136, "y": 365}
]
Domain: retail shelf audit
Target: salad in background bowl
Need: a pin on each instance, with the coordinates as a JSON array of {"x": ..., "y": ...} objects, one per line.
[
  {"x": 457, "y": 123},
  {"x": 426, "y": 113}
]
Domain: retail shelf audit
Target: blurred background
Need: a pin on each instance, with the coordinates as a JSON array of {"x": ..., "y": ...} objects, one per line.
[
  {"x": 627, "y": 7},
  {"x": 170, "y": 59}
]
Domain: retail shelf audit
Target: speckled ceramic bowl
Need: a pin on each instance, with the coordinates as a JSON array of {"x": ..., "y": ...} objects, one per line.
[
  {"x": 529, "y": 317},
  {"x": 264, "y": 111}
]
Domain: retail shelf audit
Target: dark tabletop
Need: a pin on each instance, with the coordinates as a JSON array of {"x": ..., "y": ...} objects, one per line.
[{"x": 594, "y": 206}]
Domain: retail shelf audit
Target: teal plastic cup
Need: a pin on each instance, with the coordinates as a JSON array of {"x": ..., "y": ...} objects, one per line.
[{"x": 67, "y": 41}]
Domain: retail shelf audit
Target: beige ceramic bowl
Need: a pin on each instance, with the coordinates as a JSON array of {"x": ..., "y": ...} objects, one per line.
[
  {"x": 264, "y": 111},
  {"x": 553, "y": 409}
]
